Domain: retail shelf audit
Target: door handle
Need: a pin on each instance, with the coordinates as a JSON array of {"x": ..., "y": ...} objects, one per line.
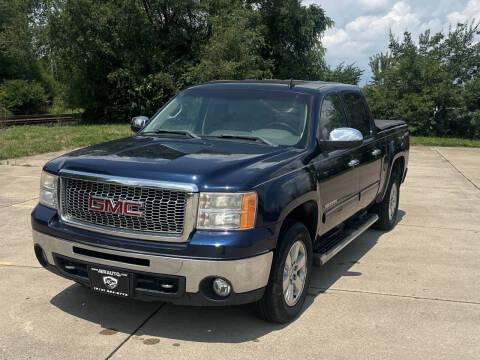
[
  {"x": 353, "y": 163},
  {"x": 376, "y": 152}
]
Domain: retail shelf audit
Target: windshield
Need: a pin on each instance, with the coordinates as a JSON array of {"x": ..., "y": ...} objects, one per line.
[{"x": 278, "y": 117}]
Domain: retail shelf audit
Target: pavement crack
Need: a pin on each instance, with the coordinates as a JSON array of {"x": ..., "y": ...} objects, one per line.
[
  {"x": 18, "y": 203},
  {"x": 438, "y": 227},
  {"x": 396, "y": 295},
  {"x": 21, "y": 266},
  {"x": 135, "y": 331},
  {"x": 461, "y": 173}
]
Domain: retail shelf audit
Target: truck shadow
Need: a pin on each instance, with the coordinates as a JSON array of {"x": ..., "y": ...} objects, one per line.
[{"x": 203, "y": 324}]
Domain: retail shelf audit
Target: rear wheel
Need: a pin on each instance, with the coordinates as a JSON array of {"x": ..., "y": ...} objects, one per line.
[
  {"x": 290, "y": 276},
  {"x": 387, "y": 210}
]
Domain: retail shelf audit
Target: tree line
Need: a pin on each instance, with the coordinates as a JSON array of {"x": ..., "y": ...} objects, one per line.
[{"x": 114, "y": 59}]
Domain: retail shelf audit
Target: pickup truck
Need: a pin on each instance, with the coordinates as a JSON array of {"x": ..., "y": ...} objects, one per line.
[{"x": 228, "y": 195}]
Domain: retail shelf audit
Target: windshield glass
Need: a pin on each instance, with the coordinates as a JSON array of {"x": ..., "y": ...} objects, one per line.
[{"x": 278, "y": 117}]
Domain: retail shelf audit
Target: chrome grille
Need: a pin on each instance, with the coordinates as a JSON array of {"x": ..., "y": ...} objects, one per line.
[{"x": 163, "y": 210}]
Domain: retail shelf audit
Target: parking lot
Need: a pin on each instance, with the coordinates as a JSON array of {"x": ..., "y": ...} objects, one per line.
[{"x": 411, "y": 293}]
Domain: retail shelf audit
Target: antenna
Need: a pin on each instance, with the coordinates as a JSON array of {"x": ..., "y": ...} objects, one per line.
[{"x": 291, "y": 85}]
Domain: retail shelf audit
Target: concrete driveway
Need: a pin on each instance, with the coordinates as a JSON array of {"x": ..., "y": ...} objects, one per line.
[{"x": 412, "y": 293}]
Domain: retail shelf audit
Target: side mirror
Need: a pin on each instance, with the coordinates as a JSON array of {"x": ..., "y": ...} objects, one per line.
[
  {"x": 138, "y": 123},
  {"x": 342, "y": 138}
]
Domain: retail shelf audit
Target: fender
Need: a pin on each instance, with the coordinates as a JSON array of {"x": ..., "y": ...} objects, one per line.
[
  {"x": 403, "y": 154},
  {"x": 277, "y": 203}
]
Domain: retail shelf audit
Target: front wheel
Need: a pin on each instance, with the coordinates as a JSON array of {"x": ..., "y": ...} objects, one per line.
[{"x": 290, "y": 276}]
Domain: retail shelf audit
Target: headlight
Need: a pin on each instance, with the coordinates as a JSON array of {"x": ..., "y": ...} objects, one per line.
[
  {"x": 48, "y": 190},
  {"x": 222, "y": 211}
]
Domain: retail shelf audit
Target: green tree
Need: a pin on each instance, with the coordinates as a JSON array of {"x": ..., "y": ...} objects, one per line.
[
  {"x": 432, "y": 84},
  {"x": 231, "y": 51},
  {"x": 292, "y": 33},
  {"x": 21, "y": 59}
]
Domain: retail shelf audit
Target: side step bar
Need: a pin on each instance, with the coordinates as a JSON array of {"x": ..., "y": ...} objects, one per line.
[{"x": 350, "y": 235}]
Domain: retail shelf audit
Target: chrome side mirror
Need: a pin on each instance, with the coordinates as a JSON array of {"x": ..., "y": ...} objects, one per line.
[
  {"x": 342, "y": 138},
  {"x": 138, "y": 123}
]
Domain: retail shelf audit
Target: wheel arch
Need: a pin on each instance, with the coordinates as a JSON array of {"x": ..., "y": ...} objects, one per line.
[{"x": 398, "y": 165}]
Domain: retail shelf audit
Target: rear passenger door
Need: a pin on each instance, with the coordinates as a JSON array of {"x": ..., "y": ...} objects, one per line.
[
  {"x": 336, "y": 178},
  {"x": 369, "y": 155}
]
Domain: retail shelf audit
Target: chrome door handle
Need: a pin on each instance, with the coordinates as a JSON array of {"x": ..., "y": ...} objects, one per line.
[
  {"x": 353, "y": 163},
  {"x": 376, "y": 152}
]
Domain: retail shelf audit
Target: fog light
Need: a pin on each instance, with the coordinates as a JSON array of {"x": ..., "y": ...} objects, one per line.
[{"x": 221, "y": 287}]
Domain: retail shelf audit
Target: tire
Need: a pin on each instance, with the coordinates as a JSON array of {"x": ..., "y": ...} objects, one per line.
[
  {"x": 387, "y": 210},
  {"x": 275, "y": 306}
]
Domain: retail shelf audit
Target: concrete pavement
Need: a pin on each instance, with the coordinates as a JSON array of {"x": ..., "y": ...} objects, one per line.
[{"x": 411, "y": 293}]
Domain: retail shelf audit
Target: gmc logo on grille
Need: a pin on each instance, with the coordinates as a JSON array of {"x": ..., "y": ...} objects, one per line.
[{"x": 121, "y": 207}]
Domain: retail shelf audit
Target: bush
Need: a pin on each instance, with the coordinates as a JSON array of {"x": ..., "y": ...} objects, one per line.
[{"x": 22, "y": 97}]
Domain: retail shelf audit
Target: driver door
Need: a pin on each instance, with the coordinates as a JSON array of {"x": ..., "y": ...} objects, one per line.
[{"x": 337, "y": 176}]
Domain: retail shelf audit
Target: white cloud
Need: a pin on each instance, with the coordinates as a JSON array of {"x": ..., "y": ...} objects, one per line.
[
  {"x": 470, "y": 12},
  {"x": 373, "y": 4},
  {"x": 367, "y": 35}
]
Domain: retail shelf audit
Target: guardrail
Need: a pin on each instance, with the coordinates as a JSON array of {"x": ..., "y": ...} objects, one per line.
[{"x": 38, "y": 119}]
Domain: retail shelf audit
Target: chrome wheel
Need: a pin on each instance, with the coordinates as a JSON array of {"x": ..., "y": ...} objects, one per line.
[
  {"x": 294, "y": 273},
  {"x": 393, "y": 203}
]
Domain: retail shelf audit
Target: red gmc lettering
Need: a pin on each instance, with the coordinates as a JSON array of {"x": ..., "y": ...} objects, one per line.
[
  {"x": 96, "y": 204},
  {"x": 131, "y": 208},
  {"x": 120, "y": 207},
  {"x": 109, "y": 207}
]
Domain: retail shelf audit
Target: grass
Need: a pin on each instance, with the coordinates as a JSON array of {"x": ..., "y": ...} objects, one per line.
[
  {"x": 33, "y": 139},
  {"x": 26, "y": 140},
  {"x": 437, "y": 141}
]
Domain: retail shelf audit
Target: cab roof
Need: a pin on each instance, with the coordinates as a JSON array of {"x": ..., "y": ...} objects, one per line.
[{"x": 298, "y": 85}]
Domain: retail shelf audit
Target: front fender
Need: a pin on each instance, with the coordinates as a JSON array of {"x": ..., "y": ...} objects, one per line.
[{"x": 279, "y": 197}]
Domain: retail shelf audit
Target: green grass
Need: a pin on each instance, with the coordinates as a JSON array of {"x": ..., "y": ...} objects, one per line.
[
  {"x": 437, "y": 141},
  {"x": 26, "y": 140},
  {"x": 33, "y": 139}
]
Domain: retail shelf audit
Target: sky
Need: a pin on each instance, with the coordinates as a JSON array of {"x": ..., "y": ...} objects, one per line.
[{"x": 362, "y": 26}]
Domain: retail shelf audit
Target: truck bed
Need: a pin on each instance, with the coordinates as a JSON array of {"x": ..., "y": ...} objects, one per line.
[{"x": 382, "y": 125}]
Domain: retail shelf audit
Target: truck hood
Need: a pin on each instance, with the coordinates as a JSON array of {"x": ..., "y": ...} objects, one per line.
[{"x": 213, "y": 165}]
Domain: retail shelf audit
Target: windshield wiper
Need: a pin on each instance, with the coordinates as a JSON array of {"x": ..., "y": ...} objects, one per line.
[
  {"x": 246, "y": 137},
  {"x": 178, "y": 132}
]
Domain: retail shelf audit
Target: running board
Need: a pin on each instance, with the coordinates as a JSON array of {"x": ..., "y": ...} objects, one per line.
[{"x": 350, "y": 235}]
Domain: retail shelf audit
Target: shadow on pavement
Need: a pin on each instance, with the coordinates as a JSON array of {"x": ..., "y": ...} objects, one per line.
[{"x": 204, "y": 324}]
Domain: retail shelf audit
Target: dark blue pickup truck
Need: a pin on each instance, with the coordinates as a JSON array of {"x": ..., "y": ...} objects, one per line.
[{"x": 229, "y": 194}]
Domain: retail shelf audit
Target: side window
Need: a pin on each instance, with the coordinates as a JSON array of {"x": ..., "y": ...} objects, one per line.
[
  {"x": 331, "y": 116},
  {"x": 355, "y": 108}
]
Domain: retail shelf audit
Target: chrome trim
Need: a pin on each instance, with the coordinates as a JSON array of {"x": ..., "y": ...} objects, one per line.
[
  {"x": 168, "y": 185},
  {"x": 374, "y": 186},
  {"x": 376, "y": 152},
  {"x": 244, "y": 274},
  {"x": 345, "y": 134},
  {"x": 323, "y": 258},
  {"x": 340, "y": 203},
  {"x": 353, "y": 163},
  {"x": 190, "y": 207}
]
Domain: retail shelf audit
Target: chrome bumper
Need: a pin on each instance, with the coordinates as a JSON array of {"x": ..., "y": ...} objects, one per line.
[{"x": 245, "y": 274}]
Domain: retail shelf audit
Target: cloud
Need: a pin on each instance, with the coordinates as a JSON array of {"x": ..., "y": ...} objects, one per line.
[
  {"x": 373, "y": 4},
  {"x": 369, "y": 33},
  {"x": 357, "y": 40},
  {"x": 470, "y": 12}
]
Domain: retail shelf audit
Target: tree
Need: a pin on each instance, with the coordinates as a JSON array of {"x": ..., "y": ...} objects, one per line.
[
  {"x": 231, "y": 51},
  {"x": 432, "y": 84},
  {"x": 22, "y": 68},
  {"x": 292, "y": 35}
]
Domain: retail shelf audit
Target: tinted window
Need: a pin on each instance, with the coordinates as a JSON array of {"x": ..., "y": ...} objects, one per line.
[
  {"x": 279, "y": 117},
  {"x": 331, "y": 116},
  {"x": 357, "y": 112}
]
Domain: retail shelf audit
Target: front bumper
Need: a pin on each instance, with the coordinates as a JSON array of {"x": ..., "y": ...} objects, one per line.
[{"x": 248, "y": 276}]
